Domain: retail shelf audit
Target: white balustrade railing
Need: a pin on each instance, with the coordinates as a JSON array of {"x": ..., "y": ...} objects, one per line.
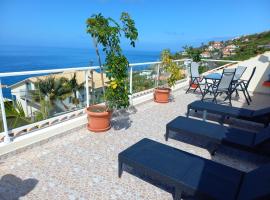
[{"x": 86, "y": 70}]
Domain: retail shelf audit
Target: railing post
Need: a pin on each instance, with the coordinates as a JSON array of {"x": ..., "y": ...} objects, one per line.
[
  {"x": 86, "y": 72},
  {"x": 157, "y": 78},
  {"x": 130, "y": 84},
  {"x": 187, "y": 63},
  {"x": 6, "y": 138}
]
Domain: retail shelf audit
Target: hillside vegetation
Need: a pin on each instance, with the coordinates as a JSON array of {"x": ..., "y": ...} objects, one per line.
[{"x": 240, "y": 48}]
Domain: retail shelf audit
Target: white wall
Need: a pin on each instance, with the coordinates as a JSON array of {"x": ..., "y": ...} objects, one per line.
[
  {"x": 17, "y": 92},
  {"x": 262, "y": 64}
]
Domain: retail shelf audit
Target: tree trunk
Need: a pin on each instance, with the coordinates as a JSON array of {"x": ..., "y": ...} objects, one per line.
[
  {"x": 92, "y": 86},
  {"x": 100, "y": 66}
]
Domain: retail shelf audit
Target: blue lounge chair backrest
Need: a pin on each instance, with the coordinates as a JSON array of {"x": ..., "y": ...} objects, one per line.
[
  {"x": 226, "y": 79},
  {"x": 194, "y": 70},
  {"x": 239, "y": 72},
  {"x": 263, "y": 136},
  {"x": 256, "y": 184}
]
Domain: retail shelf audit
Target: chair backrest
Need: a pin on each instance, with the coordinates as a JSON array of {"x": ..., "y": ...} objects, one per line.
[
  {"x": 239, "y": 72},
  {"x": 226, "y": 79},
  {"x": 256, "y": 184},
  {"x": 252, "y": 74},
  {"x": 194, "y": 70}
]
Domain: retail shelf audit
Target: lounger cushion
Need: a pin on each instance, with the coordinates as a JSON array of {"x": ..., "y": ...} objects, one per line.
[
  {"x": 196, "y": 175},
  {"x": 214, "y": 132},
  {"x": 221, "y": 109},
  {"x": 263, "y": 136},
  {"x": 256, "y": 184},
  {"x": 262, "y": 112}
]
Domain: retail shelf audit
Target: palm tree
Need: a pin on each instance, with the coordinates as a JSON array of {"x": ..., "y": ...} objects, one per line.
[
  {"x": 54, "y": 89},
  {"x": 61, "y": 90},
  {"x": 15, "y": 114},
  {"x": 46, "y": 87},
  {"x": 74, "y": 87}
]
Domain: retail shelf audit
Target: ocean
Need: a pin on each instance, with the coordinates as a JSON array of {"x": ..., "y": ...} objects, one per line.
[{"x": 25, "y": 58}]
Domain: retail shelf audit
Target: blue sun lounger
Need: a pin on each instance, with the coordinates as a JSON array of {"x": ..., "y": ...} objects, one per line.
[{"x": 192, "y": 176}]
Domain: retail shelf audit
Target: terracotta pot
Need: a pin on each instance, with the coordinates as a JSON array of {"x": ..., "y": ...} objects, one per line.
[
  {"x": 99, "y": 120},
  {"x": 193, "y": 85},
  {"x": 161, "y": 95}
]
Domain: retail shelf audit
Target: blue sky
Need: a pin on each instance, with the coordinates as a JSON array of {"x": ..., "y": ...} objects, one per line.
[{"x": 161, "y": 24}]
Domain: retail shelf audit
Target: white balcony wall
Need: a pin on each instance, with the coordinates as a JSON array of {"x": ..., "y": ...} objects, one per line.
[{"x": 262, "y": 64}]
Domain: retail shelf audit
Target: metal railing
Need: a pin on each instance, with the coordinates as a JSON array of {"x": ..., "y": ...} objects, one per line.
[{"x": 142, "y": 77}]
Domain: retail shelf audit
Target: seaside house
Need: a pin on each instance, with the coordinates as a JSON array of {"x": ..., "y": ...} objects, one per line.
[{"x": 25, "y": 91}]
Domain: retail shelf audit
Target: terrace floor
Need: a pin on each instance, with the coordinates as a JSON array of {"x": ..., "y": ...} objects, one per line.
[{"x": 83, "y": 165}]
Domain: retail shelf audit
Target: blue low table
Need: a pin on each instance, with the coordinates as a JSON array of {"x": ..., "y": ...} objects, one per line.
[
  {"x": 217, "y": 76},
  {"x": 213, "y": 76}
]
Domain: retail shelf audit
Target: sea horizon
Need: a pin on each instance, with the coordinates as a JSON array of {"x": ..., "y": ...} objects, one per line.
[{"x": 27, "y": 58}]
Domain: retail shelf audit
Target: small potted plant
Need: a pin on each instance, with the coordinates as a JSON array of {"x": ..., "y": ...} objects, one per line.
[
  {"x": 162, "y": 94},
  {"x": 107, "y": 33}
]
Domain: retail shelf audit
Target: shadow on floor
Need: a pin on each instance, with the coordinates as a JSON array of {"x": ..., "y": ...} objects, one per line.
[
  {"x": 13, "y": 187},
  {"x": 121, "y": 118}
]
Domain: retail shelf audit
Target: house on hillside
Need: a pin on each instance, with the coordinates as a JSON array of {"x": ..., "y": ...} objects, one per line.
[
  {"x": 205, "y": 54},
  {"x": 184, "y": 53},
  {"x": 229, "y": 50},
  {"x": 215, "y": 46},
  {"x": 27, "y": 93},
  {"x": 266, "y": 46}
]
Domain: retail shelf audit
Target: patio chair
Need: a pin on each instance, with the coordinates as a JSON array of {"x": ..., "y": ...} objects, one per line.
[
  {"x": 239, "y": 72},
  {"x": 195, "y": 78},
  {"x": 223, "y": 86},
  {"x": 215, "y": 134},
  {"x": 194, "y": 177},
  {"x": 242, "y": 85},
  {"x": 258, "y": 116}
]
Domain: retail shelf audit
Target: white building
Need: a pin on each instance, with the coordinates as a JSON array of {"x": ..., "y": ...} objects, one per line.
[{"x": 26, "y": 91}]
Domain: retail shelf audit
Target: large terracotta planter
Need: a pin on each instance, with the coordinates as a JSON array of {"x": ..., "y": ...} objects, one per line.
[
  {"x": 99, "y": 120},
  {"x": 161, "y": 95}
]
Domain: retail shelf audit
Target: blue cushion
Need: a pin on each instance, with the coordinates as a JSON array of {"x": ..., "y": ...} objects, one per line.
[
  {"x": 262, "y": 112},
  {"x": 263, "y": 136},
  {"x": 221, "y": 109},
  {"x": 256, "y": 184}
]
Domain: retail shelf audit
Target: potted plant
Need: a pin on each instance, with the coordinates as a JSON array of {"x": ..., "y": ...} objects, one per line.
[
  {"x": 107, "y": 33},
  {"x": 162, "y": 94}
]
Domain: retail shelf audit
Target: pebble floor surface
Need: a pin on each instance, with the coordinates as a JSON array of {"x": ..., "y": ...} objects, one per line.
[{"x": 83, "y": 165}]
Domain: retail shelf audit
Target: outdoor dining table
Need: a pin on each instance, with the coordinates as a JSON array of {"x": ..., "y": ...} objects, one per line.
[
  {"x": 213, "y": 76},
  {"x": 217, "y": 76}
]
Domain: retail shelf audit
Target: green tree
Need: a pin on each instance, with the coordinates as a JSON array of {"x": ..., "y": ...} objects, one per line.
[
  {"x": 15, "y": 114},
  {"x": 107, "y": 33},
  {"x": 75, "y": 87},
  {"x": 193, "y": 53},
  {"x": 54, "y": 89},
  {"x": 170, "y": 67}
]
